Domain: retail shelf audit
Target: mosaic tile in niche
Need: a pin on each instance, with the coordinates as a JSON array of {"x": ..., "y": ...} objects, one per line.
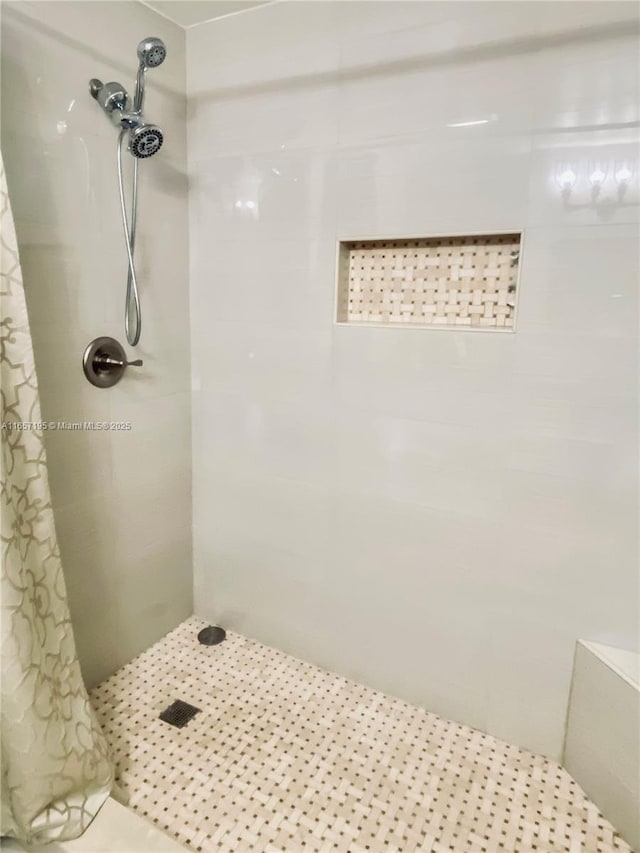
[{"x": 447, "y": 282}]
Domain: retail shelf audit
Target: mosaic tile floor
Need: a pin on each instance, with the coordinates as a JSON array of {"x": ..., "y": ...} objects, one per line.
[{"x": 287, "y": 757}]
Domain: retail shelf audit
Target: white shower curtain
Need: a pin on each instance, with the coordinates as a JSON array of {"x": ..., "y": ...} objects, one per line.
[{"x": 56, "y": 771}]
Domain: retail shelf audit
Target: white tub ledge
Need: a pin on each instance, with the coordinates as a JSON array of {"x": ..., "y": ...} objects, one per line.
[{"x": 602, "y": 741}]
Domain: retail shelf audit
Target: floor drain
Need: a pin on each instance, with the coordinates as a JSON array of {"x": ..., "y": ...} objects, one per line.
[
  {"x": 179, "y": 713},
  {"x": 212, "y": 635}
]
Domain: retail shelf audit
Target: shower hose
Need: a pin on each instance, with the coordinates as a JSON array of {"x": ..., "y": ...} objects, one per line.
[{"x": 132, "y": 304}]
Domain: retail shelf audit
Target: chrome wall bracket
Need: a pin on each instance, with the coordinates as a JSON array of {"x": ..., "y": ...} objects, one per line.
[{"x": 105, "y": 361}]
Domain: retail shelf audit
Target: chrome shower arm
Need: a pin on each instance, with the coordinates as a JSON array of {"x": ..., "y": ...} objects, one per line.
[
  {"x": 127, "y": 119},
  {"x": 112, "y": 96}
]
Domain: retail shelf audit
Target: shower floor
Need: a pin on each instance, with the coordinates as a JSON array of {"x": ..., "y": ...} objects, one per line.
[{"x": 285, "y": 756}]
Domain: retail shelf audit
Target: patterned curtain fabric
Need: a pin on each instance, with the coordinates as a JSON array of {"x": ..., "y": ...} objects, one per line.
[{"x": 56, "y": 771}]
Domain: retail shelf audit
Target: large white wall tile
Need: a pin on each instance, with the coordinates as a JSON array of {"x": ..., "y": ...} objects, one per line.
[{"x": 439, "y": 514}]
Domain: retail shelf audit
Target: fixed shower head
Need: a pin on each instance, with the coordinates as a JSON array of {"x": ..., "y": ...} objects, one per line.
[
  {"x": 145, "y": 140},
  {"x": 152, "y": 52}
]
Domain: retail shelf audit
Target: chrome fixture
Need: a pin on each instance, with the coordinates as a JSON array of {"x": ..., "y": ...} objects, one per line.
[
  {"x": 105, "y": 361},
  {"x": 144, "y": 140}
]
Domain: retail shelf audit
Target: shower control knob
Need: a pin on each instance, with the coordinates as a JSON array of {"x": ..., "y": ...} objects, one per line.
[{"x": 105, "y": 361}]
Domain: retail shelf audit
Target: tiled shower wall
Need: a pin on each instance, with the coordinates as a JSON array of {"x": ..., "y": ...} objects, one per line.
[
  {"x": 122, "y": 500},
  {"x": 437, "y": 514}
]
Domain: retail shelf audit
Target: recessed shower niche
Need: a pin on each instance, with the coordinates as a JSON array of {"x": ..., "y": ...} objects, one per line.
[{"x": 453, "y": 282}]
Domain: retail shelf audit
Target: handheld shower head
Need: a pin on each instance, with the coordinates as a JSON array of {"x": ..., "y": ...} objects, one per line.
[{"x": 152, "y": 52}]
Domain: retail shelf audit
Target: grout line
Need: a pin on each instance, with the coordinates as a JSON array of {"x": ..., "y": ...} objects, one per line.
[
  {"x": 231, "y": 14},
  {"x": 162, "y": 14},
  {"x": 186, "y": 27}
]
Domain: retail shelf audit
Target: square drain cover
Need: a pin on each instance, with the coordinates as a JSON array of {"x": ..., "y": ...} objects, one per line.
[{"x": 179, "y": 713}]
